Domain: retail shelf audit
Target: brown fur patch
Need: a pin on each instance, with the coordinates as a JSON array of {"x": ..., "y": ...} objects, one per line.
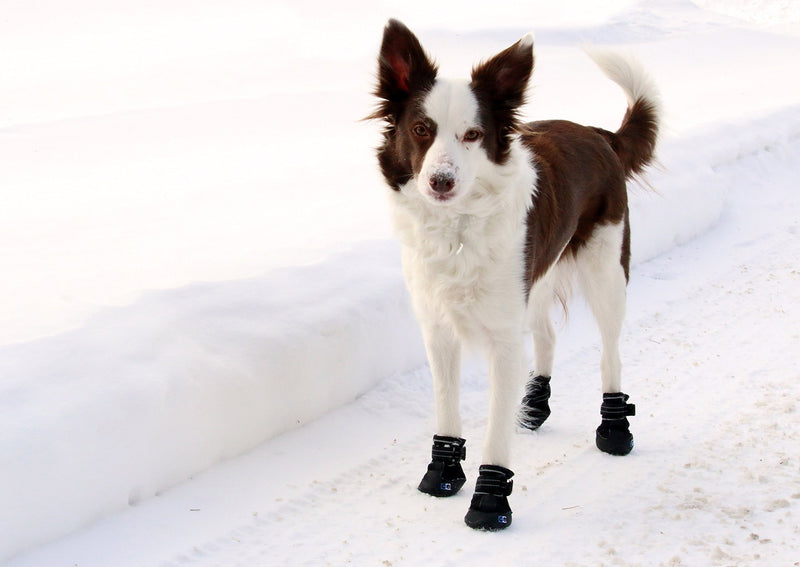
[{"x": 581, "y": 184}]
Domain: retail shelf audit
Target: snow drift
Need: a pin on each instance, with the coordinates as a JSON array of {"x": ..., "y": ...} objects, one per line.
[{"x": 145, "y": 396}]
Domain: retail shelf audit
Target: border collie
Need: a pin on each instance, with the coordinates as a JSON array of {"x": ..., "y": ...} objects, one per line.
[{"x": 495, "y": 218}]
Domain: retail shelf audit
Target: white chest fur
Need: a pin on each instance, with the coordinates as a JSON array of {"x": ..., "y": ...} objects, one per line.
[{"x": 464, "y": 261}]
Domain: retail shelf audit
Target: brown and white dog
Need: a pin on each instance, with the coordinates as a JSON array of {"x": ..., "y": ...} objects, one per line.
[{"x": 495, "y": 218}]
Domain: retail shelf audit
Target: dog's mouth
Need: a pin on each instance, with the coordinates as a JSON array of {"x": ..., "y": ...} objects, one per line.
[{"x": 441, "y": 197}]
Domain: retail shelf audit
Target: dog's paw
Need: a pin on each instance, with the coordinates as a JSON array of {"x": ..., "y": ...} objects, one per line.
[
  {"x": 489, "y": 509},
  {"x": 535, "y": 408},
  {"x": 617, "y": 442},
  {"x": 442, "y": 480},
  {"x": 445, "y": 477},
  {"x": 613, "y": 436}
]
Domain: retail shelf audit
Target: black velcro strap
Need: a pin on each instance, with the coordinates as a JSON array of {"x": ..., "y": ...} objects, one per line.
[
  {"x": 494, "y": 486},
  {"x": 450, "y": 449},
  {"x": 618, "y": 413},
  {"x": 615, "y": 407},
  {"x": 494, "y": 480}
]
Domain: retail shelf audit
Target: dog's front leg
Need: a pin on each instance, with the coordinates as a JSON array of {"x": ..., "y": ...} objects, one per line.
[
  {"x": 445, "y": 476},
  {"x": 489, "y": 509},
  {"x": 506, "y": 373},
  {"x": 444, "y": 355}
]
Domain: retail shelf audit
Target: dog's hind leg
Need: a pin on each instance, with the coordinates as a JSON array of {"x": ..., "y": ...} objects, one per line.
[
  {"x": 602, "y": 276},
  {"x": 535, "y": 407},
  {"x": 445, "y": 476},
  {"x": 542, "y": 298}
]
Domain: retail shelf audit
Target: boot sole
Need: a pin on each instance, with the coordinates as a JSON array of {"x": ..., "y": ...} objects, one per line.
[
  {"x": 441, "y": 488},
  {"x": 487, "y": 521},
  {"x": 618, "y": 443}
]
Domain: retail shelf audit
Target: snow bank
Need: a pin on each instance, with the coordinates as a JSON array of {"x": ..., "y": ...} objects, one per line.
[
  {"x": 764, "y": 12},
  {"x": 692, "y": 178},
  {"x": 145, "y": 396}
]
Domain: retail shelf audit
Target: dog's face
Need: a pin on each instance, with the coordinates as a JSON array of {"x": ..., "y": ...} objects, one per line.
[{"x": 442, "y": 134}]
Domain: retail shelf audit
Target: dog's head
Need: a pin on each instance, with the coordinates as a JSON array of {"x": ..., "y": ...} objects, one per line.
[{"x": 442, "y": 133}]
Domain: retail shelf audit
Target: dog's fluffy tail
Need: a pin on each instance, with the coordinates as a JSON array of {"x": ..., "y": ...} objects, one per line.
[{"x": 635, "y": 140}]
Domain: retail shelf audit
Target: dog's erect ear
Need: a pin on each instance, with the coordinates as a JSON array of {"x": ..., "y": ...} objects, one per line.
[
  {"x": 504, "y": 78},
  {"x": 403, "y": 66}
]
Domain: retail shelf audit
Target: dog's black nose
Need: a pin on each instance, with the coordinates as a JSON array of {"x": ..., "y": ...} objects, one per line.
[{"x": 442, "y": 183}]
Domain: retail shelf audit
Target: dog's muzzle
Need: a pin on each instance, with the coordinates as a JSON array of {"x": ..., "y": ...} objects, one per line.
[{"x": 442, "y": 183}]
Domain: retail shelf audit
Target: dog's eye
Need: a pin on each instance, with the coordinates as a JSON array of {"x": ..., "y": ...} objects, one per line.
[
  {"x": 472, "y": 135},
  {"x": 420, "y": 130}
]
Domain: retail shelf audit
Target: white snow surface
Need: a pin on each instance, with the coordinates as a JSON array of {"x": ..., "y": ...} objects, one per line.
[{"x": 207, "y": 355}]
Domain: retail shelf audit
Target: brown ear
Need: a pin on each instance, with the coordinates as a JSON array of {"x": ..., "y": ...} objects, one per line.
[
  {"x": 504, "y": 78},
  {"x": 403, "y": 66}
]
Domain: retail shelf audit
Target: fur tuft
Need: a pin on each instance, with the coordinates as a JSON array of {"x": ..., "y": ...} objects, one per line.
[{"x": 635, "y": 140}]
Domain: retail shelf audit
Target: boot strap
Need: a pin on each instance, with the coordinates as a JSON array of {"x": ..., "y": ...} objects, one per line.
[
  {"x": 615, "y": 407},
  {"x": 448, "y": 449},
  {"x": 494, "y": 480}
]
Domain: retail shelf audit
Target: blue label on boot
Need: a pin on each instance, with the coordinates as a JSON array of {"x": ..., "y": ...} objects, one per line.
[
  {"x": 445, "y": 486},
  {"x": 502, "y": 519}
]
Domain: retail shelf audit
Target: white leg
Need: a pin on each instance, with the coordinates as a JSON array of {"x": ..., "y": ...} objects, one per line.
[
  {"x": 506, "y": 374},
  {"x": 540, "y": 302},
  {"x": 444, "y": 356},
  {"x": 603, "y": 281}
]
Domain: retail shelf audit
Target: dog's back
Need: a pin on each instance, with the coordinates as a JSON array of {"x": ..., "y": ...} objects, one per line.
[{"x": 582, "y": 170}]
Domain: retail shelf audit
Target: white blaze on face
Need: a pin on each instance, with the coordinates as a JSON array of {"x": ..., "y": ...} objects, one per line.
[{"x": 452, "y": 106}]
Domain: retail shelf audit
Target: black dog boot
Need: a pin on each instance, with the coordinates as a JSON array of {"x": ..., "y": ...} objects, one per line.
[
  {"x": 613, "y": 435},
  {"x": 535, "y": 408},
  {"x": 445, "y": 476},
  {"x": 489, "y": 509}
]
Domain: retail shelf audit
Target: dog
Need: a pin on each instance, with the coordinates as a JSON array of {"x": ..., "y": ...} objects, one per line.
[{"x": 496, "y": 217}]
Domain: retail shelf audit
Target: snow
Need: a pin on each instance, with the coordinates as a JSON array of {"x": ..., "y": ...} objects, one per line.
[{"x": 207, "y": 355}]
